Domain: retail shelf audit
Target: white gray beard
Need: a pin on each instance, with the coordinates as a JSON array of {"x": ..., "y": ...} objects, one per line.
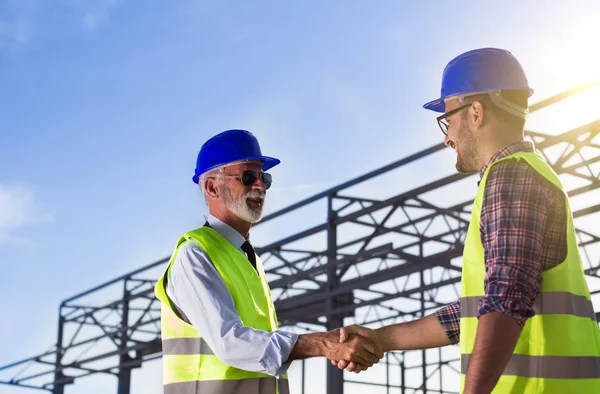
[{"x": 240, "y": 208}]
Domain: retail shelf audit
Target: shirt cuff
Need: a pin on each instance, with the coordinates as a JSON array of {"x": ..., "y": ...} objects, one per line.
[
  {"x": 274, "y": 359},
  {"x": 449, "y": 319},
  {"x": 515, "y": 308}
]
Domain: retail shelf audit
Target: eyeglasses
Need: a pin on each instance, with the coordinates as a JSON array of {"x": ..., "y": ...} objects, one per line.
[
  {"x": 248, "y": 178},
  {"x": 443, "y": 123}
]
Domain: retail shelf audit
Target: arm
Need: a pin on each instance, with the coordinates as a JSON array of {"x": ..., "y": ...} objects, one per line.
[
  {"x": 436, "y": 330},
  {"x": 198, "y": 290},
  {"x": 497, "y": 335},
  {"x": 423, "y": 333},
  {"x": 512, "y": 227},
  {"x": 358, "y": 349}
]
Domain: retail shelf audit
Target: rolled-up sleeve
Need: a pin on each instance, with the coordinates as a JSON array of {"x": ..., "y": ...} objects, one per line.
[
  {"x": 513, "y": 215},
  {"x": 197, "y": 289},
  {"x": 449, "y": 318}
]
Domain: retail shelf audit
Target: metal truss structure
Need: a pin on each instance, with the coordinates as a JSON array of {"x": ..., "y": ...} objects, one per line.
[{"x": 384, "y": 252}]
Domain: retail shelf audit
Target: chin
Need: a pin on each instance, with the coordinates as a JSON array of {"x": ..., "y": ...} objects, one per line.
[
  {"x": 257, "y": 218},
  {"x": 251, "y": 216},
  {"x": 464, "y": 168}
]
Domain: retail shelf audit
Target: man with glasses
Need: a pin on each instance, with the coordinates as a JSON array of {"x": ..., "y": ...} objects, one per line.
[
  {"x": 525, "y": 320},
  {"x": 219, "y": 326}
]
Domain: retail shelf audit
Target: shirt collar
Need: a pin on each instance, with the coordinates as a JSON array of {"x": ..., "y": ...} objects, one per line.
[
  {"x": 228, "y": 232},
  {"x": 521, "y": 146}
]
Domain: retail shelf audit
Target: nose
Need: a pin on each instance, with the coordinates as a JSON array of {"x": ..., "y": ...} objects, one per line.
[
  {"x": 259, "y": 185},
  {"x": 447, "y": 141}
]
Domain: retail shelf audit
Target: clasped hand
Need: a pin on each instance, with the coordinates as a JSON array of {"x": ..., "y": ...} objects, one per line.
[{"x": 358, "y": 349}]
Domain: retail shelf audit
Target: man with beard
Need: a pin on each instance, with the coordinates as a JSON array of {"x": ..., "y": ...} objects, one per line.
[
  {"x": 219, "y": 326},
  {"x": 525, "y": 320}
]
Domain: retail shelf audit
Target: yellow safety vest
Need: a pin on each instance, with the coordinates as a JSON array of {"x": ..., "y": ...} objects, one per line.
[
  {"x": 558, "y": 351},
  {"x": 189, "y": 365}
]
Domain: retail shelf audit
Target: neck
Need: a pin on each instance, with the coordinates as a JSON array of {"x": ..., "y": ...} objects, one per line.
[
  {"x": 497, "y": 141},
  {"x": 227, "y": 217}
]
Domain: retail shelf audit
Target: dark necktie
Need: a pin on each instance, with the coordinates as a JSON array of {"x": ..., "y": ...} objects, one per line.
[{"x": 249, "y": 250}]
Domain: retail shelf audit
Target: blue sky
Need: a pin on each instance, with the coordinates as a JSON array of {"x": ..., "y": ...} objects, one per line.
[{"x": 105, "y": 104}]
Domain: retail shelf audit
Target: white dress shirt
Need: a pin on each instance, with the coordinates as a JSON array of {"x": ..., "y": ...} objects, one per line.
[{"x": 200, "y": 294}]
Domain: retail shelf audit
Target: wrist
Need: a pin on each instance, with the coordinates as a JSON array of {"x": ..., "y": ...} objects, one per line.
[
  {"x": 384, "y": 339},
  {"x": 320, "y": 343},
  {"x": 311, "y": 345}
]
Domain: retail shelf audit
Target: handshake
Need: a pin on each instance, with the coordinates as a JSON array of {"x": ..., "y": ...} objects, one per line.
[
  {"x": 357, "y": 348},
  {"x": 353, "y": 348}
]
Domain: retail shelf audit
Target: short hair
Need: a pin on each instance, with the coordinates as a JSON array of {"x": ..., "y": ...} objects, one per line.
[
  {"x": 209, "y": 174},
  {"x": 510, "y": 121}
]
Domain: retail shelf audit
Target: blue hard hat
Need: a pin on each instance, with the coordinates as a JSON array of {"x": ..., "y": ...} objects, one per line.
[
  {"x": 479, "y": 71},
  {"x": 229, "y": 147}
]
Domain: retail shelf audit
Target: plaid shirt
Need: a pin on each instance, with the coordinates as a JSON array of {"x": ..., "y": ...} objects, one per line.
[{"x": 523, "y": 228}]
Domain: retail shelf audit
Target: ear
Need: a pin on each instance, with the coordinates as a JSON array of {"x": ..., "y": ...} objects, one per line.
[
  {"x": 210, "y": 188},
  {"x": 476, "y": 115}
]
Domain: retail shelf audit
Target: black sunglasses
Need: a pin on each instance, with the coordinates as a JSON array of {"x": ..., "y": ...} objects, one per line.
[
  {"x": 443, "y": 123},
  {"x": 248, "y": 177}
]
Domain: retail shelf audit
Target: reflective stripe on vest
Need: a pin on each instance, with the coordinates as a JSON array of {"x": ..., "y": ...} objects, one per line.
[
  {"x": 548, "y": 303},
  {"x": 189, "y": 365},
  {"x": 185, "y": 346},
  {"x": 547, "y": 367},
  {"x": 558, "y": 350},
  {"x": 259, "y": 385}
]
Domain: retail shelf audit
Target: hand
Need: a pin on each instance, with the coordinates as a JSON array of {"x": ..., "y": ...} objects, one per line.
[
  {"x": 354, "y": 348},
  {"x": 360, "y": 351},
  {"x": 371, "y": 335}
]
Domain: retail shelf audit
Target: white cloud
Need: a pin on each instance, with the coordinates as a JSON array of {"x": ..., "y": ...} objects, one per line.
[
  {"x": 21, "y": 22},
  {"x": 98, "y": 14},
  {"x": 19, "y": 208},
  {"x": 14, "y": 33},
  {"x": 13, "y": 240},
  {"x": 91, "y": 20},
  {"x": 18, "y": 22}
]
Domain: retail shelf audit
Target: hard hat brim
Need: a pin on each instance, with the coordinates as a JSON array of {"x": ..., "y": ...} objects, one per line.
[
  {"x": 437, "y": 105},
  {"x": 268, "y": 162}
]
